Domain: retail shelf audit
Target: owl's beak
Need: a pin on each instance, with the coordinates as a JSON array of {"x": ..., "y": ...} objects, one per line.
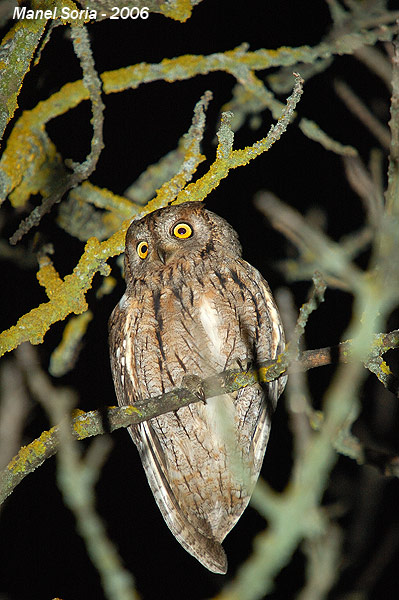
[
  {"x": 162, "y": 255},
  {"x": 165, "y": 252}
]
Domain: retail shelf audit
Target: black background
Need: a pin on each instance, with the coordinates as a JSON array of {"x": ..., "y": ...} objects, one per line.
[{"x": 42, "y": 556}]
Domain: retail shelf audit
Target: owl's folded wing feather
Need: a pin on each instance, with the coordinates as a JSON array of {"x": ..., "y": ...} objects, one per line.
[
  {"x": 205, "y": 549},
  {"x": 268, "y": 344}
]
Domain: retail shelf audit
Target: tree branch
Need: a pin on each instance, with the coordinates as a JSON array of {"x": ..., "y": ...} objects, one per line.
[
  {"x": 82, "y": 171},
  {"x": 106, "y": 420}
]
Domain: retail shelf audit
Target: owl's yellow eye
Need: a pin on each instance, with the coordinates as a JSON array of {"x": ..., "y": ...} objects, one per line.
[
  {"x": 182, "y": 231},
  {"x": 142, "y": 249}
]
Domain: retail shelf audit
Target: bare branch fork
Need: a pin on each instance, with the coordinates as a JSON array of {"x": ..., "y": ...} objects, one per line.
[{"x": 106, "y": 420}]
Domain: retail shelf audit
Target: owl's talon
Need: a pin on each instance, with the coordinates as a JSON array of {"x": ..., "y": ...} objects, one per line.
[
  {"x": 194, "y": 385},
  {"x": 245, "y": 365}
]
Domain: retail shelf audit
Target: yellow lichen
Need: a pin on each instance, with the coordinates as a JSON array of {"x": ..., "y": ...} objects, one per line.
[
  {"x": 64, "y": 356},
  {"x": 77, "y": 412},
  {"x": 262, "y": 373},
  {"x": 67, "y": 297},
  {"x": 48, "y": 277},
  {"x": 80, "y": 425},
  {"x": 179, "y": 10},
  {"x": 131, "y": 410},
  {"x": 29, "y": 454},
  {"x": 385, "y": 368}
]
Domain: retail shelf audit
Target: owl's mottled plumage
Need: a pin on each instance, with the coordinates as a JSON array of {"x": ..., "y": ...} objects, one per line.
[{"x": 192, "y": 306}]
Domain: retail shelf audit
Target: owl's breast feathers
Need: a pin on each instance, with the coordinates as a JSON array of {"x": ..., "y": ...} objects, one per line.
[{"x": 202, "y": 461}]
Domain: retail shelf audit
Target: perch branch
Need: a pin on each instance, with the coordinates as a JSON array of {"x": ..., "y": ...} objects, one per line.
[{"x": 109, "y": 419}]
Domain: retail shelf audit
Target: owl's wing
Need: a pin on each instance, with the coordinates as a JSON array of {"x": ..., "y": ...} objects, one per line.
[
  {"x": 268, "y": 341},
  {"x": 126, "y": 382},
  {"x": 205, "y": 549}
]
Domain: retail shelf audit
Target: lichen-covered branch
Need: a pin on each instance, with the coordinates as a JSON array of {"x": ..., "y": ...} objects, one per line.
[
  {"x": 392, "y": 193},
  {"x": 103, "y": 421},
  {"x": 65, "y": 295},
  {"x": 239, "y": 62},
  {"x": 313, "y": 131},
  {"x": 189, "y": 66},
  {"x": 16, "y": 52},
  {"x": 82, "y": 171},
  {"x": 68, "y": 295}
]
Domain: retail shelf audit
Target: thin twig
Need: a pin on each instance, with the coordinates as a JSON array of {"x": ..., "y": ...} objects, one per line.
[
  {"x": 362, "y": 183},
  {"x": 317, "y": 250},
  {"x": 360, "y": 110},
  {"x": 377, "y": 62}
]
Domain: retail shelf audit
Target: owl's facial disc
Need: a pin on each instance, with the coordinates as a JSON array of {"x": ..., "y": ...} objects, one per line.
[{"x": 173, "y": 234}]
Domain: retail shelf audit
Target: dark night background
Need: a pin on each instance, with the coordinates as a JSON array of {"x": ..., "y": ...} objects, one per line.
[{"x": 42, "y": 556}]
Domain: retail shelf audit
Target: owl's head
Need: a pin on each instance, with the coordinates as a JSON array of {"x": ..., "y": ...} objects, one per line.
[{"x": 177, "y": 233}]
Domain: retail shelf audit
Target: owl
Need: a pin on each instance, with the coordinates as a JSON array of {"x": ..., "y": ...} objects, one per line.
[{"x": 193, "y": 308}]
